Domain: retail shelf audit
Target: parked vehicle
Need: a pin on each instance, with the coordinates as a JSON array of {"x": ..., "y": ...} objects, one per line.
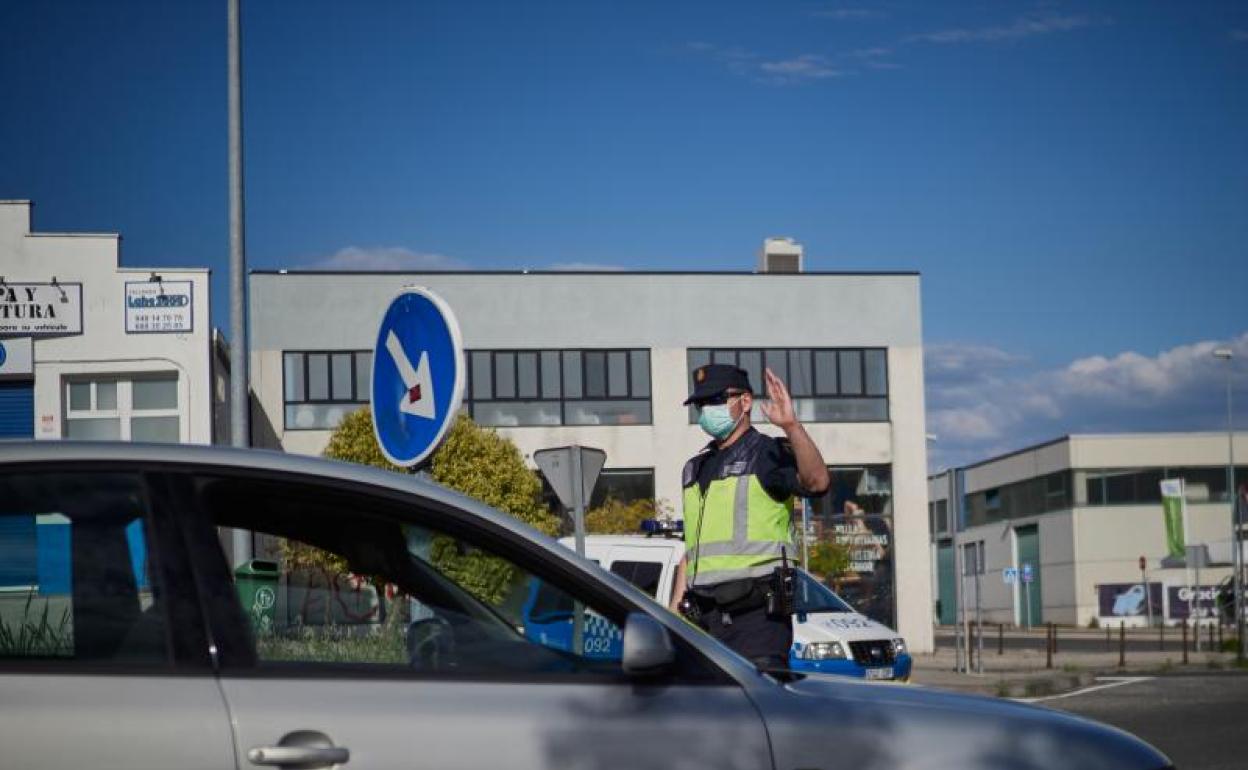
[
  {"x": 127, "y": 643},
  {"x": 829, "y": 636}
]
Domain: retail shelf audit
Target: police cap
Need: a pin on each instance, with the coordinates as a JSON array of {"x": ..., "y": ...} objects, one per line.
[{"x": 711, "y": 380}]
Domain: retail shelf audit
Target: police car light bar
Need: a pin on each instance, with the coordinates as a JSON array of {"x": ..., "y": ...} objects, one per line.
[{"x": 665, "y": 527}]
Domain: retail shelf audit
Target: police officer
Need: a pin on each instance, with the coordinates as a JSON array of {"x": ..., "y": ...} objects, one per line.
[{"x": 737, "y": 501}]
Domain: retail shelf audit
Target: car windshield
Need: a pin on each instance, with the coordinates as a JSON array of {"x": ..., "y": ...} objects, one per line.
[{"x": 813, "y": 596}]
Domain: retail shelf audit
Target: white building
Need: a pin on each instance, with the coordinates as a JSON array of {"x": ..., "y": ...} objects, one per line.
[
  {"x": 1082, "y": 511},
  {"x": 95, "y": 350},
  {"x": 605, "y": 360}
]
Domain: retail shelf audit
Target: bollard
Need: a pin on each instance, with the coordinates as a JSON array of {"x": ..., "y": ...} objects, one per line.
[
  {"x": 1211, "y": 647},
  {"x": 1000, "y": 638},
  {"x": 1185, "y": 641},
  {"x": 1053, "y": 636},
  {"x": 1048, "y": 646},
  {"x": 1122, "y": 645},
  {"x": 1161, "y": 636}
]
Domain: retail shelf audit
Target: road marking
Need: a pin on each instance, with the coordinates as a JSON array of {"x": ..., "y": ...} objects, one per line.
[{"x": 1110, "y": 681}]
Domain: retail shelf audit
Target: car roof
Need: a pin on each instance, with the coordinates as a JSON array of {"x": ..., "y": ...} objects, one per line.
[{"x": 613, "y": 540}]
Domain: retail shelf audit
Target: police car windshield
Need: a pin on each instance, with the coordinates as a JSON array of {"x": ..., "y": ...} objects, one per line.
[{"x": 813, "y": 596}]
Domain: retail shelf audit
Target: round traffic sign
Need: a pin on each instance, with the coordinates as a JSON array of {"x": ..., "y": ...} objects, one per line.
[{"x": 418, "y": 376}]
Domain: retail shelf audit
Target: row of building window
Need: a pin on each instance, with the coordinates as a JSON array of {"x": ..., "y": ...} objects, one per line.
[
  {"x": 511, "y": 388},
  {"x": 558, "y": 387},
  {"x": 1055, "y": 491},
  {"x": 1143, "y": 485},
  {"x": 827, "y": 384}
]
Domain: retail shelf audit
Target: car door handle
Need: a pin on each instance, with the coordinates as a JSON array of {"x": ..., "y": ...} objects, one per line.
[{"x": 301, "y": 750}]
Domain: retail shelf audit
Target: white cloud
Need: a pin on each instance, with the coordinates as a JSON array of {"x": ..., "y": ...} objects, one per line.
[
  {"x": 785, "y": 71},
  {"x": 1022, "y": 27},
  {"x": 980, "y": 398},
  {"x": 799, "y": 68},
  {"x": 846, "y": 14},
  {"x": 386, "y": 258}
]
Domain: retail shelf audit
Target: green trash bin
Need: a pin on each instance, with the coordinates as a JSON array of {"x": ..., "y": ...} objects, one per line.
[{"x": 256, "y": 581}]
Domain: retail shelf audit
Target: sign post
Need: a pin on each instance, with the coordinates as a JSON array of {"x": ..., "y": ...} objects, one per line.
[
  {"x": 1148, "y": 600},
  {"x": 418, "y": 377},
  {"x": 1028, "y": 577},
  {"x": 572, "y": 472}
]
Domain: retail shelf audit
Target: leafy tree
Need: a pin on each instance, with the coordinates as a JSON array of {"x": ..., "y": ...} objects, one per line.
[
  {"x": 616, "y": 518},
  {"x": 472, "y": 460},
  {"x": 828, "y": 559}
]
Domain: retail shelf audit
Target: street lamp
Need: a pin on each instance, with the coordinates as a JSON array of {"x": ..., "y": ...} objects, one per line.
[{"x": 1236, "y": 545}]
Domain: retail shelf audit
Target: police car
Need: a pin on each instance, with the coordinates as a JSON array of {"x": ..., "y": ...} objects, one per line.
[{"x": 829, "y": 636}]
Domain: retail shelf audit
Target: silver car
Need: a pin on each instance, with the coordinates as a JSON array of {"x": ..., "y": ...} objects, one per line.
[{"x": 386, "y": 622}]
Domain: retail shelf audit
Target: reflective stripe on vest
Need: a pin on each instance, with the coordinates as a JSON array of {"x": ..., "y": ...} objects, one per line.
[{"x": 735, "y": 531}]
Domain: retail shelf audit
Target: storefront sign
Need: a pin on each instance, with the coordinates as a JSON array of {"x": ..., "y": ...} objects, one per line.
[
  {"x": 40, "y": 309},
  {"x": 1203, "y": 601},
  {"x": 159, "y": 307},
  {"x": 867, "y": 582},
  {"x": 1128, "y": 600},
  {"x": 17, "y": 358}
]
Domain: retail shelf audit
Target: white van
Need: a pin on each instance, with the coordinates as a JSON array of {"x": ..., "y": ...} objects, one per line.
[{"x": 829, "y": 636}]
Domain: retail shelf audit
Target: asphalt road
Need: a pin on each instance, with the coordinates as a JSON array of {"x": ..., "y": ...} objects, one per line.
[{"x": 1198, "y": 720}]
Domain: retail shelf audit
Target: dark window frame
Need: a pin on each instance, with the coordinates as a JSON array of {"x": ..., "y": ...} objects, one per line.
[{"x": 357, "y": 397}]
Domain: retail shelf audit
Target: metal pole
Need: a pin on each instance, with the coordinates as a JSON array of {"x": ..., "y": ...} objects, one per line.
[
  {"x": 960, "y": 629},
  {"x": 1236, "y": 510},
  {"x": 1000, "y": 638},
  {"x": 979, "y": 622},
  {"x": 1122, "y": 644},
  {"x": 1199, "y": 609},
  {"x": 1027, "y": 602},
  {"x": 1148, "y": 595},
  {"x": 239, "y": 431},
  {"x": 578, "y": 523}
]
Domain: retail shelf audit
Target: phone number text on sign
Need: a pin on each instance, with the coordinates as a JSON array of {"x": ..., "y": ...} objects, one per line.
[{"x": 156, "y": 307}]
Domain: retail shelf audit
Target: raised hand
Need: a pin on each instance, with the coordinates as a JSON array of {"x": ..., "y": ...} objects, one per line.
[{"x": 778, "y": 409}]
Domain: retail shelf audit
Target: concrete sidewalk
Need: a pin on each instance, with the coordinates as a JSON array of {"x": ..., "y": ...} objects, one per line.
[{"x": 1022, "y": 673}]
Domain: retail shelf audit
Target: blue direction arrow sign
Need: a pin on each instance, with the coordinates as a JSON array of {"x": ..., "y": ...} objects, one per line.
[{"x": 418, "y": 377}]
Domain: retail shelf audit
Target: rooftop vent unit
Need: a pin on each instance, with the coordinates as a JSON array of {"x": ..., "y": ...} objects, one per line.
[{"x": 780, "y": 255}]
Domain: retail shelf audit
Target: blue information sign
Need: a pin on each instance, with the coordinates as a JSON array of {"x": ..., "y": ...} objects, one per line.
[
  {"x": 1028, "y": 576},
  {"x": 418, "y": 378}
]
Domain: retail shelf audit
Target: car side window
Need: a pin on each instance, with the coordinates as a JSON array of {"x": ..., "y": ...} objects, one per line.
[
  {"x": 76, "y": 577},
  {"x": 643, "y": 574},
  {"x": 344, "y": 579}
]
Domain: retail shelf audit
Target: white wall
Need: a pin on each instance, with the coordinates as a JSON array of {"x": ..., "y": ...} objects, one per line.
[
  {"x": 104, "y": 348},
  {"x": 1110, "y": 540}
]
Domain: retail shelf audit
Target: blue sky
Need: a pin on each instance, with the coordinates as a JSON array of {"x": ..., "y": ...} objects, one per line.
[{"x": 1070, "y": 178}]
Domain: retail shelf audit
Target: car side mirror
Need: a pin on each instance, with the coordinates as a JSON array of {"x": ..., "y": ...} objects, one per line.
[{"x": 648, "y": 648}]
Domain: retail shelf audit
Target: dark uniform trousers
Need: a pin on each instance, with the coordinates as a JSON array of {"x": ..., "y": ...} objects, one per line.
[{"x": 749, "y": 631}]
